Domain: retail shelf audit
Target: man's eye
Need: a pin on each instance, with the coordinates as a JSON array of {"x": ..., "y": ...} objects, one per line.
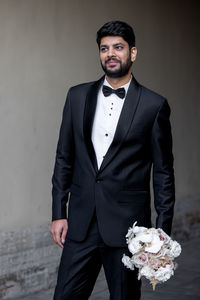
[
  {"x": 119, "y": 47},
  {"x": 103, "y": 49}
]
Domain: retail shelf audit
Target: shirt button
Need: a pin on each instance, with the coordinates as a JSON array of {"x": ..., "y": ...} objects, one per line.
[{"x": 106, "y": 134}]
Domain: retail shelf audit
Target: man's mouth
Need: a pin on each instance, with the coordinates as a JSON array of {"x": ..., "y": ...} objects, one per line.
[{"x": 112, "y": 62}]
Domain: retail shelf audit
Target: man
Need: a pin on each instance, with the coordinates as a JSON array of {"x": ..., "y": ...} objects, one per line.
[{"x": 113, "y": 131}]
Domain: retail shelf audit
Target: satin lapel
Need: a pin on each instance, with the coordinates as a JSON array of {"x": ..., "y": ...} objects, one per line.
[
  {"x": 89, "y": 112},
  {"x": 127, "y": 114}
]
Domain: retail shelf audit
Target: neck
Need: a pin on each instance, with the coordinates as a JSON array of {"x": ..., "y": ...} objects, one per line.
[{"x": 117, "y": 82}]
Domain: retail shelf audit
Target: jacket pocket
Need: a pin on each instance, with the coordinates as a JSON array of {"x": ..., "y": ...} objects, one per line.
[{"x": 134, "y": 197}]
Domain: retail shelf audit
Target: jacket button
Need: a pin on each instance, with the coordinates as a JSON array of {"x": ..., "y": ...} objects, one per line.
[{"x": 98, "y": 180}]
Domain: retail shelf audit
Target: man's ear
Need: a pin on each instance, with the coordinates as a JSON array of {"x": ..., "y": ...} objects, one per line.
[{"x": 133, "y": 53}]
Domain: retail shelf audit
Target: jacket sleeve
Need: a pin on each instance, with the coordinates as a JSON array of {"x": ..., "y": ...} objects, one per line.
[
  {"x": 163, "y": 172},
  {"x": 62, "y": 175}
]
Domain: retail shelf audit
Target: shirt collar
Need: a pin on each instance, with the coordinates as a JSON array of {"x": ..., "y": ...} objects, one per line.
[{"x": 125, "y": 86}]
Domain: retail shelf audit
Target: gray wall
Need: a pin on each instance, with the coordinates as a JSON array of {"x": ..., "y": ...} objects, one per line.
[{"x": 45, "y": 47}]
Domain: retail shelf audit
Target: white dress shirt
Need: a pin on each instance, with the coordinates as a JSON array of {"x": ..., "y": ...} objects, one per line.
[{"x": 106, "y": 117}]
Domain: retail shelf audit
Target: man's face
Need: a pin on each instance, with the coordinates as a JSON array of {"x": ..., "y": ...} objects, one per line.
[{"x": 116, "y": 57}]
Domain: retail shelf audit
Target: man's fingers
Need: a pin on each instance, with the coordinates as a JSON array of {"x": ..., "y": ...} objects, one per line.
[
  {"x": 58, "y": 231},
  {"x": 58, "y": 239},
  {"x": 63, "y": 236},
  {"x": 57, "y": 236},
  {"x": 53, "y": 234}
]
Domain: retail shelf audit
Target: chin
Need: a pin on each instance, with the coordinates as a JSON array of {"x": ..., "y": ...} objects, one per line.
[{"x": 113, "y": 75}]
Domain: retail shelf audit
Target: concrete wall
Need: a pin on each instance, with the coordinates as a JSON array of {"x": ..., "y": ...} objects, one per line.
[{"x": 45, "y": 47}]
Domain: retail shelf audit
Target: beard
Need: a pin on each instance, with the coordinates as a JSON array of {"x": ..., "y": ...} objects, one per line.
[{"x": 121, "y": 71}]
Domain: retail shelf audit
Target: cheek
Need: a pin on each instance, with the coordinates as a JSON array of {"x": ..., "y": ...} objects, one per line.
[
  {"x": 122, "y": 57},
  {"x": 102, "y": 58}
]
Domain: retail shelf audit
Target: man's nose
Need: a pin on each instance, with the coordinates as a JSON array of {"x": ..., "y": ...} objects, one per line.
[{"x": 111, "y": 52}]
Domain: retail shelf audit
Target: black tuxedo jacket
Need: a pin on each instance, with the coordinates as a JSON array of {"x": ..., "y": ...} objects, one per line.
[{"x": 120, "y": 190}]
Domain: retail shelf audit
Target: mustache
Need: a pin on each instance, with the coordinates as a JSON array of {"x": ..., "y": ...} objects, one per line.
[{"x": 113, "y": 59}]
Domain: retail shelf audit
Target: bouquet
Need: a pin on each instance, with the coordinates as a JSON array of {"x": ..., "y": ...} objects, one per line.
[{"x": 153, "y": 252}]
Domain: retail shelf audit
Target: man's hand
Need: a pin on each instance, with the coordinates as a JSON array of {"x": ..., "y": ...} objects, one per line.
[{"x": 58, "y": 231}]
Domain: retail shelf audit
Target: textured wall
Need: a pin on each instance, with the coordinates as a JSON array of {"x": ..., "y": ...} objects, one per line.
[
  {"x": 49, "y": 45},
  {"x": 28, "y": 261}
]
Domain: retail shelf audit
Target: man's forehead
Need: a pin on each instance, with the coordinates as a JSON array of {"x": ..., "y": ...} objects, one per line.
[{"x": 110, "y": 40}]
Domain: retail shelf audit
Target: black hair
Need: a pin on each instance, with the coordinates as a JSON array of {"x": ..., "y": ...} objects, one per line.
[{"x": 117, "y": 28}]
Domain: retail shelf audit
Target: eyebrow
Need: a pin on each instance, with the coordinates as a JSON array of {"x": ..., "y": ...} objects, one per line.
[{"x": 117, "y": 44}]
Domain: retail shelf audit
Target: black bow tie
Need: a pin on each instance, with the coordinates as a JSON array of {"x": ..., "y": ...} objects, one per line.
[{"x": 107, "y": 91}]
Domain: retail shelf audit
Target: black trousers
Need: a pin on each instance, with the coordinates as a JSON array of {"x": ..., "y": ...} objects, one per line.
[{"x": 81, "y": 263}]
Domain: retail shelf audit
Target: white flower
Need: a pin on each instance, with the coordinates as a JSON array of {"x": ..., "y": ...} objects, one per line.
[
  {"x": 163, "y": 236},
  {"x": 147, "y": 271},
  {"x": 130, "y": 235},
  {"x": 164, "y": 273},
  {"x": 153, "y": 252},
  {"x": 154, "y": 263},
  {"x": 140, "y": 259},
  {"x": 155, "y": 245},
  {"x": 133, "y": 231},
  {"x": 134, "y": 246},
  {"x": 174, "y": 250},
  {"x": 138, "y": 229},
  {"x": 145, "y": 236},
  {"x": 161, "y": 253},
  {"x": 127, "y": 262}
]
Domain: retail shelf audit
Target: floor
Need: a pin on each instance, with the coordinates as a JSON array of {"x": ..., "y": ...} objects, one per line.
[{"x": 185, "y": 285}]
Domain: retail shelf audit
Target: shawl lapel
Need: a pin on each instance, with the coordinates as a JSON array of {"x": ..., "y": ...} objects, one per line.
[
  {"x": 126, "y": 117},
  {"x": 89, "y": 112}
]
